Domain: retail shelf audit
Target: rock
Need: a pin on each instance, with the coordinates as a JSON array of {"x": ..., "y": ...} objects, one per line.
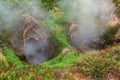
[
  {"x": 117, "y": 36},
  {"x": 66, "y": 50},
  {"x": 114, "y": 20},
  {"x": 98, "y": 42},
  {"x": 31, "y": 41},
  {"x": 73, "y": 30}
]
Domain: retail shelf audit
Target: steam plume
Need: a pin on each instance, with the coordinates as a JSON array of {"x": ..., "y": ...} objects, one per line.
[
  {"x": 10, "y": 13},
  {"x": 91, "y": 17}
]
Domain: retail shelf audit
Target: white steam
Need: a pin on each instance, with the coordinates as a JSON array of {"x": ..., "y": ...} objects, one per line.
[
  {"x": 11, "y": 12},
  {"x": 35, "y": 52},
  {"x": 91, "y": 16}
]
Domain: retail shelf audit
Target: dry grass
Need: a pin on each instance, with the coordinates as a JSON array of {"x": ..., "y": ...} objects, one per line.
[{"x": 2, "y": 57}]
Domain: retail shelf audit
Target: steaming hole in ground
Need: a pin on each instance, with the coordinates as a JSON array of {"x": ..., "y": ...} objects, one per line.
[
  {"x": 35, "y": 52},
  {"x": 31, "y": 41},
  {"x": 90, "y": 20}
]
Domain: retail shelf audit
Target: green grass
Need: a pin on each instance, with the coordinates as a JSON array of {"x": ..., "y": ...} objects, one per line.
[
  {"x": 64, "y": 60},
  {"x": 96, "y": 64},
  {"x": 54, "y": 25},
  {"x": 11, "y": 57}
]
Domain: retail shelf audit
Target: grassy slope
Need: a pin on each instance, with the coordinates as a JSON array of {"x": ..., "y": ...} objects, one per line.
[
  {"x": 64, "y": 60},
  {"x": 97, "y": 64}
]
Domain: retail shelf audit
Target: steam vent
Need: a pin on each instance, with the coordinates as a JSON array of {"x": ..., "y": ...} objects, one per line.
[
  {"x": 31, "y": 41},
  {"x": 84, "y": 43},
  {"x": 81, "y": 43}
]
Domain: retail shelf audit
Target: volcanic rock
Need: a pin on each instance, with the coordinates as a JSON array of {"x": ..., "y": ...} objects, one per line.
[{"x": 31, "y": 41}]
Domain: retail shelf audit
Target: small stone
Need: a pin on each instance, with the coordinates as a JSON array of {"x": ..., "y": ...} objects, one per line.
[
  {"x": 65, "y": 50},
  {"x": 117, "y": 36}
]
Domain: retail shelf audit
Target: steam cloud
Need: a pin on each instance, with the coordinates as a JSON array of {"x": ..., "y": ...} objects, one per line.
[
  {"x": 35, "y": 53},
  {"x": 91, "y": 16},
  {"x": 10, "y": 13}
]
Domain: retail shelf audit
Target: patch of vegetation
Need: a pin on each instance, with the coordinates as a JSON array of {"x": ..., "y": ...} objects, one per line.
[
  {"x": 14, "y": 68},
  {"x": 96, "y": 64},
  {"x": 64, "y": 60},
  {"x": 99, "y": 65},
  {"x": 48, "y": 4},
  {"x": 109, "y": 34},
  {"x": 58, "y": 31},
  {"x": 11, "y": 57}
]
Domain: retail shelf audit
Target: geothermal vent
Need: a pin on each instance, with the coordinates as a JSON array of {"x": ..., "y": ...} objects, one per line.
[
  {"x": 89, "y": 20},
  {"x": 80, "y": 43},
  {"x": 31, "y": 41}
]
